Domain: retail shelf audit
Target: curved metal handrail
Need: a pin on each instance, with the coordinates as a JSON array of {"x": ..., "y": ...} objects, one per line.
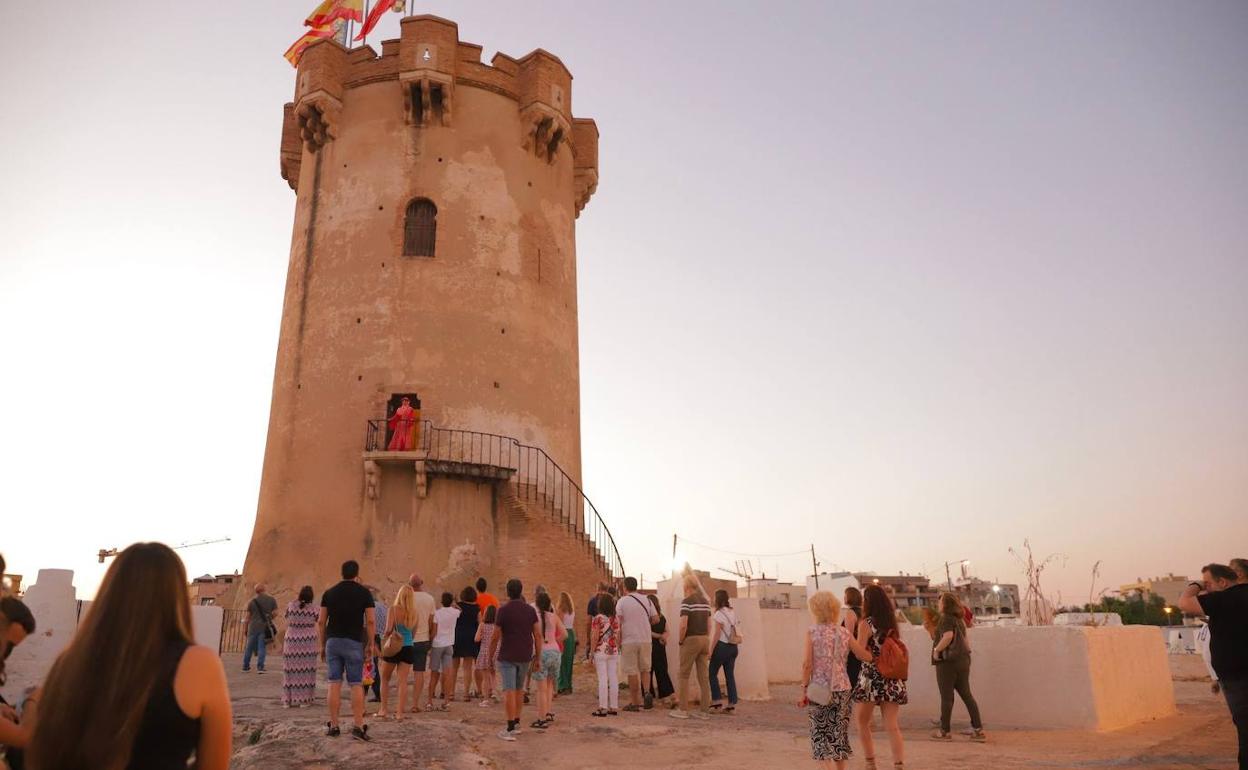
[{"x": 507, "y": 452}]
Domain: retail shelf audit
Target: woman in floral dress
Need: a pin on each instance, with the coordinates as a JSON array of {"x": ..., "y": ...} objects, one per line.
[
  {"x": 826, "y": 687},
  {"x": 299, "y": 651},
  {"x": 873, "y": 688}
]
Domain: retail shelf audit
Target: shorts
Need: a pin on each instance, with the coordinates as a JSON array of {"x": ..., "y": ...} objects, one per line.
[
  {"x": 635, "y": 658},
  {"x": 406, "y": 656},
  {"x": 440, "y": 658},
  {"x": 512, "y": 674},
  {"x": 344, "y": 657},
  {"x": 549, "y": 666},
  {"x": 420, "y": 652}
]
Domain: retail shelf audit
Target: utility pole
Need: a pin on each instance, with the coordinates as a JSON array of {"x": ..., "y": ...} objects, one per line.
[
  {"x": 815, "y": 565},
  {"x": 673, "y": 550}
]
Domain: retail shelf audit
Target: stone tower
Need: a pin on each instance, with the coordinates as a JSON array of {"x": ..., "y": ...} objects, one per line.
[{"x": 434, "y": 258}]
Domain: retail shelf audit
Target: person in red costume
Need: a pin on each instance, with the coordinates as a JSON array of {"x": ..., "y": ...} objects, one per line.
[{"x": 402, "y": 425}]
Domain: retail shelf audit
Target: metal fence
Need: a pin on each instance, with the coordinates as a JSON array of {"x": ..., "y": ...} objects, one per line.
[
  {"x": 233, "y": 631},
  {"x": 535, "y": 477}
]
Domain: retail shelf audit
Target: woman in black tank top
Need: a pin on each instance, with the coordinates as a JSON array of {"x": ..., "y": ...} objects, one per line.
[
  {"x": 125, "y": 712},
  {"x": 853, "y": 603},
  {"x": 167, "y": 737}
]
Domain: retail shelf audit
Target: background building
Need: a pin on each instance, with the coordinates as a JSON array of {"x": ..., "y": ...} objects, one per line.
[
  {"x": 987, "y": 598},
  {"x": 906, "y": 590},
  {"x": 208, "y": 589},
  {"x": 1169, "y": 588},
  {"x": 774, "y": 594}
]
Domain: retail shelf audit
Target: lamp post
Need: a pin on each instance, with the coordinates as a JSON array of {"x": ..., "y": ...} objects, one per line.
[
  {"x": 949, "y": 577},
  {"x": 1169, "y": 616}
]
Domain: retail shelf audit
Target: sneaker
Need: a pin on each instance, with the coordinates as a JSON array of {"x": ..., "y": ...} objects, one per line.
[
  {"x": 486, "y": 703},
  {"x": 259, "y": 671},
  {"x": 978, "y": 736},
  {"x": 678, "y": 714},
  {"x": 360, "y": 733},
  {"x": 332, "y": 730},
  {"x": 506, "y": 735},
  {"x": 941, "y": 735},
  {"x": 648, "y": 702},
  {"x": 632, "y": 707},
  {"x": 699, "y": 714}
]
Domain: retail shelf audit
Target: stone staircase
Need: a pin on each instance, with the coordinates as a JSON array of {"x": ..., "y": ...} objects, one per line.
[{"x": 540, "y": 545}]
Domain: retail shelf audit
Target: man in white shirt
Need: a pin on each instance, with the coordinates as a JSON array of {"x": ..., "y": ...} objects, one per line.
[
  {"x": 636, "y": 614},
  {"x": 421, "y": 637}
]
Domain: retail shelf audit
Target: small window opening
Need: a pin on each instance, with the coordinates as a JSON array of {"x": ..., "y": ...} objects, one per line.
[
  {"x": 435, "y": 102},
  {"x": 418, "y": 104},
  {"x": 420, "y": 228}
]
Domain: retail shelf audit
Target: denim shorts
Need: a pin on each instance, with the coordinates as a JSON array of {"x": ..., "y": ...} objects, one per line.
[
  {"x": 344, "y": 656},
  {"x": 440, "y": 658},
  {"x": 549, "y": 667},
  {"x": 512, "y": 674}
]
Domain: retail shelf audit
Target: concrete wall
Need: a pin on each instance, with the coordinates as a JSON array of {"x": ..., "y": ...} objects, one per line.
[
  {"x": 1035, "y": 677},
  {"x": 54, "y": 603},
  {"x": 751, "y": 666}
]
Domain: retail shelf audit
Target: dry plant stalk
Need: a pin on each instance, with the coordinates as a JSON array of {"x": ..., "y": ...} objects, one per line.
[{"x": 1037, "y": 609}]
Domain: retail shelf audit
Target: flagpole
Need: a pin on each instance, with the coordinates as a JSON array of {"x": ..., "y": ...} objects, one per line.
[{"x": 364, "y": 42}]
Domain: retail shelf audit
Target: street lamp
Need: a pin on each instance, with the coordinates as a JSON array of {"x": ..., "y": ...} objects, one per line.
[
  {"x": 948, "y": 577},
  {"x": 1169, "y": 617}
]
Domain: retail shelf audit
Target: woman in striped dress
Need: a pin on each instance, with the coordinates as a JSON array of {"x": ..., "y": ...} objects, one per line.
[{"x": 299, "y": 651}]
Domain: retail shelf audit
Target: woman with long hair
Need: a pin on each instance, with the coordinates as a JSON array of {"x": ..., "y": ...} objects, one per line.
[
  {"x": 300, "y": 650},
  {"x": 931, "y": 619},
  {"x": 723, "y": 652},
  {"x": 567, "y": 616},
  {"x": 951, "y": 654},
  {"x": 873, "y": 688},
  {"x": 398, "y": 622},
  {"x": 851, "y": 613},
  {"x": 549, "y": 660},
  {"x": 605, "y": 642},
  {"x": 484, "y": 667},
  {"x": 466, "y": 647},
  {"x": 132, "y": 690},
  {"x": 826, "y": 686},
  {"x": 661, "y": 688}
]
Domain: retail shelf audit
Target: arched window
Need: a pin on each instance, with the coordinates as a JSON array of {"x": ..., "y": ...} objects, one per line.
[{"x": 420, "y": 228}]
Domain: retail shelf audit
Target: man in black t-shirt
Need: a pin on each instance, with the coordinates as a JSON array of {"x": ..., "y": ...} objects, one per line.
[
  {"x": 1225, "y": 602},
  {"x": 347, "y": 627}
]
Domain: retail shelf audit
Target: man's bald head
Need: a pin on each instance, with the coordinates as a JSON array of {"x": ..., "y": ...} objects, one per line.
[
  {"x": 415, "y": 581},
  {"x": 259, "y": 588}
]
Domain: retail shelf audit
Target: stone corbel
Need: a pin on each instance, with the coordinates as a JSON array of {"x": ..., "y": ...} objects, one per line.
[
  {"x": 427, "y": 78},
  {"x": 317, "y": 115},
  {"x": 372, "y": 480},
  {"x": 422, "y": 480},
  {"x": 545, "y": 131}
]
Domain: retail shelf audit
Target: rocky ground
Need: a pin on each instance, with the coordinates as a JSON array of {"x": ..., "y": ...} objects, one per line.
[{"x": 760, "y": 735}]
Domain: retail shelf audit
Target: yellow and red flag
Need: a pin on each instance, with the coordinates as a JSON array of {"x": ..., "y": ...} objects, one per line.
[
  {"x": 295, "y": 52},
  {"x": 330, "y": 11}
]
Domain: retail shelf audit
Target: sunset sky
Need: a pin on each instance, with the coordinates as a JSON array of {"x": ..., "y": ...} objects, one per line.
[{"x": 910, "y": 282}]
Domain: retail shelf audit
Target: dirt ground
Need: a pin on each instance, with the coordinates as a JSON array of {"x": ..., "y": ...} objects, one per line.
[{"x": 772, "y": 734}]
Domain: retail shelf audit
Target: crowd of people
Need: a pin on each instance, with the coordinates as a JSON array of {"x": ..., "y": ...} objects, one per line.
[{"x": 162, "y": 699}]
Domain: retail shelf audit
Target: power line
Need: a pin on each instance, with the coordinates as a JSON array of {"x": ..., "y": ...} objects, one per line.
[{"x": 802, "y": 552}]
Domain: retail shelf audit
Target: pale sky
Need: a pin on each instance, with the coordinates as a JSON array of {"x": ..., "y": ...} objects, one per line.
[{"x": 912, "y": 282}]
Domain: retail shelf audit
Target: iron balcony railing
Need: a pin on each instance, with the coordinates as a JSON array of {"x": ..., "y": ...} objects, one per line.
[{"x": 535, "y": 476}]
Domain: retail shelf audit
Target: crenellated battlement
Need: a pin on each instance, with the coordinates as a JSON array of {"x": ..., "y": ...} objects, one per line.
[{"x": 430, "y": 63}]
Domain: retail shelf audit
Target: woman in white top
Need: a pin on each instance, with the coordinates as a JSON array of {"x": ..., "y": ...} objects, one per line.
[{"x": 724, "y": 640}]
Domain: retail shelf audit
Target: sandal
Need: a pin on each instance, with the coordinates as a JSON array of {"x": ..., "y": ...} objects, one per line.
[
  {"x": 613, "y": 713},
  {"x": 599, "y": 713},
  {"x": 540, "y": 724},
  {"x": 549, "y": 717},
  {"x": 632, "y": 707},
  {"x": 729, "y": 709}
]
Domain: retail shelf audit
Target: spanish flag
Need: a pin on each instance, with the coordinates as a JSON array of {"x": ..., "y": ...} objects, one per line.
[
  {"x": 330, "y": 11},
  {"x": 295, "y": 52}
]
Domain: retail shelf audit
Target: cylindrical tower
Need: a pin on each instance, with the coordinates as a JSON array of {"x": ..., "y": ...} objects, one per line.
[{"x": 433, "y": 257}]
